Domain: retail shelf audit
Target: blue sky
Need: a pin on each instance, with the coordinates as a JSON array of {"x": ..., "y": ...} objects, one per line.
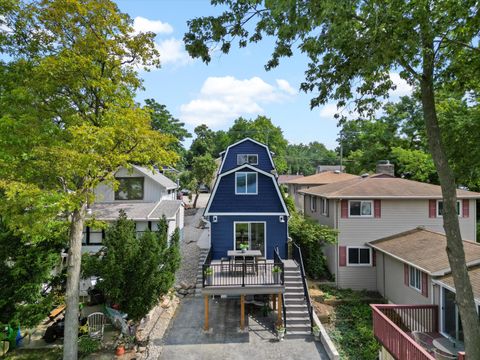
[{"x": 230, "y": 85}]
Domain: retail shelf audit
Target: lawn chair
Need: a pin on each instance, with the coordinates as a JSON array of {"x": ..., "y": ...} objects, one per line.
[
  {"x": 440, "y": 355},
  {"x": 96, "y": 323}
]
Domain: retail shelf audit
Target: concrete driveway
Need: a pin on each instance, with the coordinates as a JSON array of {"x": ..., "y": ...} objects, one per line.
[{"x": 185, "y": 339}]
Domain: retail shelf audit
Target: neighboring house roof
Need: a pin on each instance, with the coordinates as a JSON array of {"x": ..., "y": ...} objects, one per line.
[
  {"x": 424, "y": 249},
  {"x": 474, "y": 274},
  {"x": 245, "y": 166},
  {"x": 381, "y": 186},
  {"x": 136, "y": 210},
  {"x": 156, "y": 176},
  {"x": 282, "y": 179},
  {"x": 326, "y": 177}
]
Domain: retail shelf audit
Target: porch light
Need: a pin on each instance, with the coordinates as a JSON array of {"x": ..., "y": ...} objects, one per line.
[{"x": 281, "y": 218}]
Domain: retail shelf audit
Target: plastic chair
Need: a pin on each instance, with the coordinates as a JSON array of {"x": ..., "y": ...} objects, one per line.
[{"x": 96, "y": 323}]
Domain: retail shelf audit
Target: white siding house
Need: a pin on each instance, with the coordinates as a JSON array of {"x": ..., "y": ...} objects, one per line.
[
  {"x": 373, "y": 207},
  {"x": 145, "y": 195}
]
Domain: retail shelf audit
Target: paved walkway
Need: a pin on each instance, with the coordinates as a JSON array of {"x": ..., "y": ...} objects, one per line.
[{"x": 185, "y": 339}]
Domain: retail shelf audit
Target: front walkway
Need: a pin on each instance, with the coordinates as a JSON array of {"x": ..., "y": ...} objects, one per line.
[{"x": 185, "y": 339}]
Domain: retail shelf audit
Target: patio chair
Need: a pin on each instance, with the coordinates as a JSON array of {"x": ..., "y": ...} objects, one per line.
[
  {"x": 424, "y": 340},
  {"x": 224, "y": 260},
  {"x": 250, "y": 263},
  {"x": 96, "y": 323},
  {"x": 441, "y": 355}
]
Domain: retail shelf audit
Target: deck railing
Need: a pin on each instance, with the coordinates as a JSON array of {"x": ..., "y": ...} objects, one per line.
[
  {"x": 297, "y": 256},
  {"x": 242, "y": 274},
  {"x": 391, "y": 323},
  {"x": 277, "y": 258}
]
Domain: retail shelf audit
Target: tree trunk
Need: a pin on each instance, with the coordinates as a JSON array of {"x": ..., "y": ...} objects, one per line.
[
  {"x": 73, "y": 279},
  {"x": 196, "y": 198},
  {"x": 455, "y": 251}
]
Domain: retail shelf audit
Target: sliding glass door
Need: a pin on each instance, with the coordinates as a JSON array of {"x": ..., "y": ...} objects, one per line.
[
  {"x": 251, "y": 233},
  {"x": 452, "y": 326}
]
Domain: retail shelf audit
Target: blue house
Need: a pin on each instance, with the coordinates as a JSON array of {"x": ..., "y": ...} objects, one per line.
[{"x": 246, "y": 205}]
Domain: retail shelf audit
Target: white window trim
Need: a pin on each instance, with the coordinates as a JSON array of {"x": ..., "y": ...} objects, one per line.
[
  {"x": 324, "y": 203},
  {"x": 313, "y": 204},
  {"x": 247, "y": 155},
  {"x": 410, "y": 269},
  {"x": 249, "y": 233},
  {"x": 460, "y": 208},
  {"x": 361, "y": 216},
  {"x": 246, "y": 184},
  {"x": 359, "y": 247}
]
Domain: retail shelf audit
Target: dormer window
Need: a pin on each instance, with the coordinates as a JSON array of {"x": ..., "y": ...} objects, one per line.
[
  {"x": 130, "y": 188},
  {"x": 251, "y": 159},
  {"x": 246, "y": 183}
]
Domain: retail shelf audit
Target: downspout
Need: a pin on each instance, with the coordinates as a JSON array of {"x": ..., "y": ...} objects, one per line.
[
  {"x": 384, "y": 269},
  {"x": 336, "y": 246}
]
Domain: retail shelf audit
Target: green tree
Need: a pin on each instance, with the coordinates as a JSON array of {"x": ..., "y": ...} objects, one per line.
[
  {"x": 204, "y": 142},
  {"x": 415, "y": 164},
  {"x": 202, "y": 173},
  {"x": 353, "y": 47},
  {"x": 262, "y": 130},
  {"x": 69, "y": 119},
  {"x": 135, "y": 272},
  {"x": 163, "y": 121},
  {"x": 26, "y": 266},
  {"x": 304, "y": 159}
]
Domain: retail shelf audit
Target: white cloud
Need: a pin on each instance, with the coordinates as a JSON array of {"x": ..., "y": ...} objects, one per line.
[
  {"x": 285, "y": 86},
  {"x": 172, "y": 51},
  {"x": 403, "y": 88},
  {"x": 225, "y": 98},
  {"x": 141, "y": 24}
]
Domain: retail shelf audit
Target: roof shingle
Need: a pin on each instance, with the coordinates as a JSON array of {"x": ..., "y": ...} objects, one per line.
[{"x": 322, "y": 178}]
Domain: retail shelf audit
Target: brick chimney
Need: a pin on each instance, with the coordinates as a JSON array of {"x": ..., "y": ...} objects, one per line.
[{"x": 384, "y": 167}]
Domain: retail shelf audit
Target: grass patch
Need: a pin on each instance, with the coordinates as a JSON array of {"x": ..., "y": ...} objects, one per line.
[{"x": 44, "y": 354}]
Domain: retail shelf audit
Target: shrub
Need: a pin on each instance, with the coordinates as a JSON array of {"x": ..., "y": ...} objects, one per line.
[
  {"x": 135, "y": 272},
  {"x": 87, "y": 345}
]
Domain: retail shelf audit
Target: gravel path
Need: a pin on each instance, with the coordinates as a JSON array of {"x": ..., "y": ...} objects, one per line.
[{"x": 188, "y": 246}]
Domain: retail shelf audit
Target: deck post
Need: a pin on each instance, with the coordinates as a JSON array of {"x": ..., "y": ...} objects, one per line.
[
  {"x": 242, "y": 312},
  {"x": 279, "y": 312},
  {"x": 274, "y": 302},
  {"x": 205, "y": 327}
]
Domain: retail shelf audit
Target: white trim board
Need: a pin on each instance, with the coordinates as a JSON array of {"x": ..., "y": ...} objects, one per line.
[
  {"x": 271, "y": 176},
  {"x": 241, "y": 141}
]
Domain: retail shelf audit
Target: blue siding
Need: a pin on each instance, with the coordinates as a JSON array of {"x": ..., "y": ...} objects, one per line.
[
  {"x": 267, "y": 199},
  {"x": 223, "y": 237},
  {"x": 248, "y": 147}
]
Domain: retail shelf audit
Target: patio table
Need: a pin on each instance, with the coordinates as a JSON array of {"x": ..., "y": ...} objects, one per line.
[
  {"x": 233, "y": 254},
  {"x": 446, "y": 345}
]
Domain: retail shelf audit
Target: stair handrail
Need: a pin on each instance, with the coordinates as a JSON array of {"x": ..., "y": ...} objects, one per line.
[
  {"x": 297, "y": 256},
  {"x": 278, "y": 259},
  {"x": 206, "y": 264}
]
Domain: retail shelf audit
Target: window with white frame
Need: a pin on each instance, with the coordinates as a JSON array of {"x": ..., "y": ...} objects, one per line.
[
  {"x": 251, "y": 159},
  {"x": 415, "y": 278},
  {"x": 359, "y": 256},
  {"x": 313, "y": 204},
  {"x": 360, "y": 208},
  {"x": 246, "y": 183},
  {"x": 440, "y": 208},
  {"x": 324, "y": 202}
]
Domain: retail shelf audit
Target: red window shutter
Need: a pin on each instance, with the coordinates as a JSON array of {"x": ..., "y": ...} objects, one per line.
[
  {"x": 344, "y": 208},
  {"x": 374, "y": 258},
  {"x": 432, "y": 208},
  {"x": 424, "y": 284},
  {"x": 465, "y": 208},
  {"x": 405, "y": 274},
  {"x": 342, "y": 254},
  {"x": 377, "y": 208}
]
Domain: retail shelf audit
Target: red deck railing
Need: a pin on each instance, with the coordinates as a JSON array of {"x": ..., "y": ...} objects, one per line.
[{"x": 391, "y": 323}]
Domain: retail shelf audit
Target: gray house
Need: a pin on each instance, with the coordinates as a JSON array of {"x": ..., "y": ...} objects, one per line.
[
  {"x": 146, "y": 195},
  {"x": 372, "y": 207}
]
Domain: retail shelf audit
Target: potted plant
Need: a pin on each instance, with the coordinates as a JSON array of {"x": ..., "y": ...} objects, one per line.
[
  {"x": 120, "y": 350},
  {"x": 244, "y": 247},
  {"x": 276, "y": 271},
  {"x": 209, "y": 275},
  {"x": 280, "y": 332},
  {"x": 316, "y": 331}
]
